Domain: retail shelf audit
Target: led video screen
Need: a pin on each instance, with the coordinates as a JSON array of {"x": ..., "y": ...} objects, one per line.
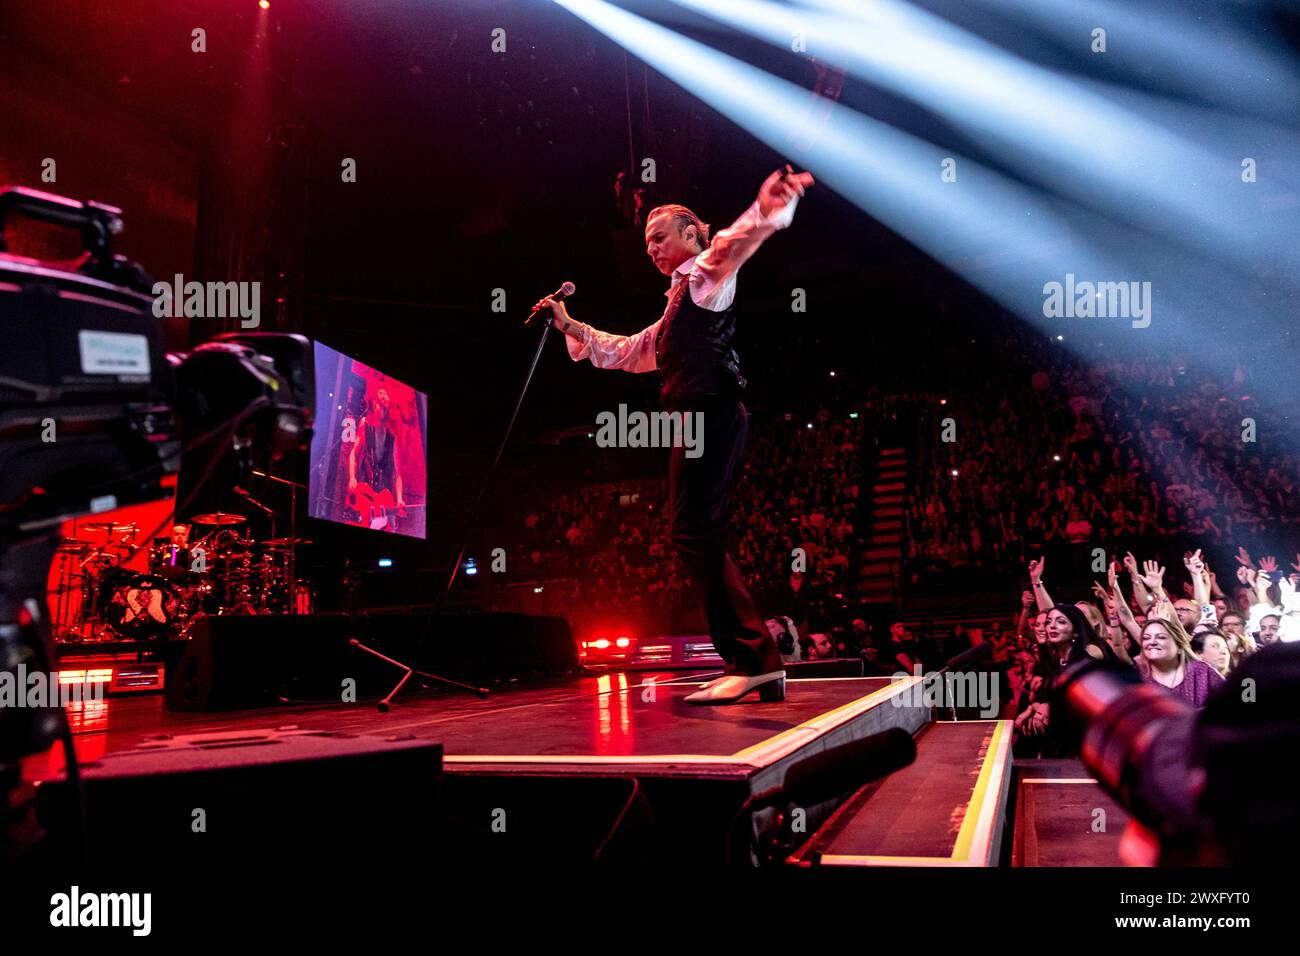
[{"x": 368, "y": 461}]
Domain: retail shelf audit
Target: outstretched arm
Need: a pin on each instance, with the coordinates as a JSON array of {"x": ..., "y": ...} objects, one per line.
[
  {"x": 1153, "y": 577},
  {"x": 1140, "y": 592},
  {"x": 632, "y": 353},
  {"x": 713, "y": 276},
  {"x": 1036, "y": 585}
]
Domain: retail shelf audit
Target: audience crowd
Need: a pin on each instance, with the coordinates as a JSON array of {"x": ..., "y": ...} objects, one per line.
[
  {"x": 1095, "y": 454},
  {"x": 1187, "y": 642},
  {"x": 792, "y": 522},
  {"x": 1079, "y": 463}
]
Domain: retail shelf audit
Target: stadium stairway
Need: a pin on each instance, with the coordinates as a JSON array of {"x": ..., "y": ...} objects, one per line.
[{"x": 880, "y": 560}]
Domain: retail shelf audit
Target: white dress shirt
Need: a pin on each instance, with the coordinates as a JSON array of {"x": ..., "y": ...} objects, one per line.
[
  {"x": 712, "y": 276},
  {"x": 1287, "y": 613}
]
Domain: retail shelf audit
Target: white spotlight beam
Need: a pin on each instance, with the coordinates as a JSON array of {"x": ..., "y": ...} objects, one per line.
[
  {"x": 1195, "y": 47},
  {"x": 888, "y": 173},
  {"x": 1004, "y": 237},
  {"x": 1141, "y": 163}
]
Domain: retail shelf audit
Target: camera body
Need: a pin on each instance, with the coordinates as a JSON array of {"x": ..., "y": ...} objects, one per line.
[
  {"x": 1202, "y": 782},
  {"x": 94, "y": 415}
]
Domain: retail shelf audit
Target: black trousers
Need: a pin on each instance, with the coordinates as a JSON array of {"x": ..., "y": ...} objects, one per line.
[{"x": 700, "y": 496}]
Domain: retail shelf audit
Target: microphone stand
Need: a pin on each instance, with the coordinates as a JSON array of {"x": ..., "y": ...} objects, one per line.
[
  {"x": 973, "y": 655},
  {"x": 470, "y": 518},
  {"x": 269, "y": 512}
]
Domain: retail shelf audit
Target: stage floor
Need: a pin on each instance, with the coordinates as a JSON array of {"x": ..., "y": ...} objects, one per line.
[{"x": 615, "y": 722}]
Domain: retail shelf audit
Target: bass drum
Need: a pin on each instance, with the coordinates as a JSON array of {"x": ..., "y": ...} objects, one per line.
[{"x": 135, "y": 606}]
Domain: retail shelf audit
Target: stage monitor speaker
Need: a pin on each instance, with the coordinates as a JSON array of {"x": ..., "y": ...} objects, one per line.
[
  {"x": 256, "y": 660},
  {"x": 242, "y": 661}
]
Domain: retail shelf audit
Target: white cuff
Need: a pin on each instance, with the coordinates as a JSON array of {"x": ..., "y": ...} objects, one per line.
[{"x": 778, "y": 220}]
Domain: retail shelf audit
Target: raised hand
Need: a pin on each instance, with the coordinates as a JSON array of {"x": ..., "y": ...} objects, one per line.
[
  {"x": 1027, "y": 599},
  {"x": 1036, "y": 570},
  {"x": 1041, "y": 719},
  {"x": 1246, "y": 575},
  {"x": 1214, "y": 583},
  {"x": 1153, "y": 574},
  {"x": 1112, "y": 575},
  {"x": 781, "y": 187},
  {"x": 1107, "y": 598},
  {"x": 1244, "y": 559},
  {"x": 1268, "y": 564},
  {"x": 1130, "y": 563}
]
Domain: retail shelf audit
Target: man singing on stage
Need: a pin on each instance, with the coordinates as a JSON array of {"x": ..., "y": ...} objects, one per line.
[{"x": 690, "y": 346}]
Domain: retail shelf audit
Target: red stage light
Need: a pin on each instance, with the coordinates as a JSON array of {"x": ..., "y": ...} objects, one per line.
[
  {"x": 623, "y": 642},
  {"x": 264, "y": 4}
]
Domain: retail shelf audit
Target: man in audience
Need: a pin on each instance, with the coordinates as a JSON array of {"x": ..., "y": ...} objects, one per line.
[
  {"x": 1269, "y": 625},
  {"x": 901, "y": 648},
  {"x": 822, "y": 648}
]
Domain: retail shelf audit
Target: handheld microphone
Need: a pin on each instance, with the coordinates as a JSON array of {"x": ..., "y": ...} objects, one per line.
[{"x": 559, "y": 295}]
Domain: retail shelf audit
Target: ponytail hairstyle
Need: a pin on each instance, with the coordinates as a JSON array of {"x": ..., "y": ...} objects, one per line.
[{"x": 683, "y": 217}]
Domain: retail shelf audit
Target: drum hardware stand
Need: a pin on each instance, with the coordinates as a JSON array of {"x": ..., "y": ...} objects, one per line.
[{"x": 293, "y": 533}]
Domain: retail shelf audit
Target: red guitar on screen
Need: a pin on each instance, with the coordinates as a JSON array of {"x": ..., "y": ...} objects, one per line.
[{"x": 377, "y": 508}]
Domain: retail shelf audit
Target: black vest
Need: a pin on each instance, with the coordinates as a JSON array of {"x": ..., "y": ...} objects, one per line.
[
  {"x": 379, "y": 470},
  {"x": 693, "y": 351}
]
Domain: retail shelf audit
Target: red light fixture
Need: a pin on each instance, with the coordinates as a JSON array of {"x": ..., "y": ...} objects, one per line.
[{"x": 264, "y": 4}]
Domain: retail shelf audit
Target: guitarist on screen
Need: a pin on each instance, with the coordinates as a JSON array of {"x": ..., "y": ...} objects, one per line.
[{"x": 376, "y": 449}]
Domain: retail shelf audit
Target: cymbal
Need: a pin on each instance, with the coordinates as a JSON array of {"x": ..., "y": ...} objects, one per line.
[
  {"x": 285, "y": 542},
  {"x": 74, "y": 546},
  {"x": 110, "y": 526},
  {"x": 219, "y": 517}
]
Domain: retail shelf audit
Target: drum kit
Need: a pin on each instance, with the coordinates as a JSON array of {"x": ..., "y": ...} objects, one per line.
[{"x": 222, "y": 571}]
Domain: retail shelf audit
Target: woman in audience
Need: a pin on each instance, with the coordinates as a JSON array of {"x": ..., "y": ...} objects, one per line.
[
  {"x": 1240, "y": 644},
  {"x": 1211, "y": 646},
  {"x": 1070, "y": 639},
  {"x": 1112, "y": 634},
  {"x": 1167, "y": 660}
]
